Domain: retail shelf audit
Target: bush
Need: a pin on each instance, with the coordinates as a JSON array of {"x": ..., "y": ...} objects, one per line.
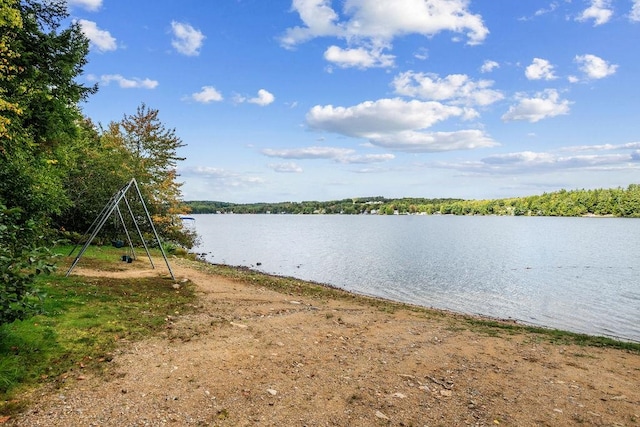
[{"x": 21, "y": 260}]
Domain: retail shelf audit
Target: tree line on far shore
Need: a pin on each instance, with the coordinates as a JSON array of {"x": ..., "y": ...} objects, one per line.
[{"x": 617, "y": 202}]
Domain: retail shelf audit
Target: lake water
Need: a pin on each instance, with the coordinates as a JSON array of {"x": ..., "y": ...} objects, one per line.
[{"x": 577, "y": 274}]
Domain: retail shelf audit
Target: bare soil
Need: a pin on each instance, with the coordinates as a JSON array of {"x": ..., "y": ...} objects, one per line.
[{"x": 253, "y": 356}]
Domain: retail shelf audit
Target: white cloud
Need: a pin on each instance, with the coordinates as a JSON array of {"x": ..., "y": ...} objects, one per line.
[
  {"x": 595, "y": 67},
  {"x": 488, "y": 66},
  {"x": 206, "y": 95},
  {"x": 634, "y": 16},
  {"x": 90, "y": 5},
  {"x": 223, "y": 179},
  {"x": 397, "y": 124},
  {"x": 431, "y": 142},
  {"x": 289, "y": 167},
  {"x": 544, "y": 105},
  {"x": 567, "y": 158},
  {"x": 382, "y": 116},
  {"x": 101, "y": 39},
  {"x": 600, "y": 11},
  {"x": 125, "y": 83},
  {"x": 264, "y": 98},
  {"x": 186, "y": 39},
  {"x": 339, "y": 155},
  {"x": 358, "y": 57},
  {"x": 540, "y": 69},
  {"x": 369, "y": 26},
  {"x": 319, "y": 20},
  {"x": 457, "y": 88},
  {"x": 315, "y": 152}
]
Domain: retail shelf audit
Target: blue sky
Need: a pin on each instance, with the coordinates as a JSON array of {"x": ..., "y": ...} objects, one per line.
[{"x": 298, "y": 100}]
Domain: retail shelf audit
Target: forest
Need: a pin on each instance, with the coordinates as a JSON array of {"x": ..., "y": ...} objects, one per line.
[
  {"x": 617, "y": 202},
  {"x": 58, "y": 168}
]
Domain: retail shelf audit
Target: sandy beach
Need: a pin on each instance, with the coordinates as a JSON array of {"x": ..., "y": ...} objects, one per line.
[{"x": 249, "y": 355}]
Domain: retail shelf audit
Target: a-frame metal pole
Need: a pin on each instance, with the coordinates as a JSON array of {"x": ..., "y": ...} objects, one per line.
[
  {"x": 126, "y": 232},
  {"x": 155, "y": 233},
  {"x": 95, "y": 221},
  {"x": 105, "y": 216},
  {"x": 144, "y": 243}
]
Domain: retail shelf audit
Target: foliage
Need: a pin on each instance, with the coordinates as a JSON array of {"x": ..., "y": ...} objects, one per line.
[
  {"x": 20, "y": 262},
  {"x": 600, "y": 202},
  {"x": 152, "y": 159},
  {"x": 38, "y": 112}
]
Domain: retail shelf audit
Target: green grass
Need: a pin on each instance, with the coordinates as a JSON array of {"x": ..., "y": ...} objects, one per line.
[{"x": 83, "y": 320}]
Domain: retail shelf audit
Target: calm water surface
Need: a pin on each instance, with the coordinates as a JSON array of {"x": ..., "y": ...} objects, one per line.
[{"x": 578, "y": 274}]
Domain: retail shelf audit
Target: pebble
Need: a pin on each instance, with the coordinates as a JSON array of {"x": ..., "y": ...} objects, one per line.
[
  {"x": 381, "y": 415},
  {"x": 272, "y": 392}
]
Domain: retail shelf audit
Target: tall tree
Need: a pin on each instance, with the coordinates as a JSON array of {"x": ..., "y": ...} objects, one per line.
[
  {"x": 39, "y": 108},
  {"x": 154, "y": 159}
]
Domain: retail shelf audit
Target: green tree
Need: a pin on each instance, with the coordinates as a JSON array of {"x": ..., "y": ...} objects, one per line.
[
  {"x": 153, "y": 150},
  {"x": 39, "y": 107}
]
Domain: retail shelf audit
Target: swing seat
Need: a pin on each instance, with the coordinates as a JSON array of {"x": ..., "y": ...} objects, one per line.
[{"x": 117, "y": 243}]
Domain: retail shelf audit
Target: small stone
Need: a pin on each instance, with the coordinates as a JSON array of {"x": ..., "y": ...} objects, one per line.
[
  {"x": 295, "y": 302},
  {"x": 446, "y": 393},
  {"x": 399, "y": 395},
  {"x": 176, "y": 286},
  {"x": 381, "y": 415},
  {"x": 239, "y": 325},
  {"x": 272, "y": 392}
]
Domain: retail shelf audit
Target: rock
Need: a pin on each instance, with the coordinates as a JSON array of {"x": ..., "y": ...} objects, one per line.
[
  {"x": 176, "y": 286},
  {"x": 381, "y": 415},
  {"x": 272, "y": 392},
  {"x": 446, "y": 393},
  {"x": 239, "y": 325},
  {"x": 399, "y": 395}
]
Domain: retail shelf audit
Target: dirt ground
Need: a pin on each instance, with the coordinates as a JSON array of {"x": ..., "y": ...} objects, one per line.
[{"x": 253, "y": 356}]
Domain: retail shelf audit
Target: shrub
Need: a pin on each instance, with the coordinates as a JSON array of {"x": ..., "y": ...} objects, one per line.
[{"x": 21, "y": 260}]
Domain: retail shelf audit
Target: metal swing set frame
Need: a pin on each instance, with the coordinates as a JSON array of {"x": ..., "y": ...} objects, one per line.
[{"x": 114, "y": 206}]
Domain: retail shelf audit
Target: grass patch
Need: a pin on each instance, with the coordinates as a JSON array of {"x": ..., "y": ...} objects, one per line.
[{"x": 83, "y": 321}]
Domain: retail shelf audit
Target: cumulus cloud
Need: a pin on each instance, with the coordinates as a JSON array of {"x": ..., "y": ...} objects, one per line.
[
  {"x": 264, "y": 98},
  {"x": 600, "y": 12},
  {"x": 288, "y": 167},
  {"x": 206, "y": 95},
  {"x": 595, "y": 67},
  {"x": 456, "y": 88},
  {"x": 542, "y": 106},
  {"x": 358, "y": 57},
  {"x": 369, "y": 26},
  {"x": 132, "y": 83},
  {"x": 397, "y": 124},
  {"x": 90, "y": 5},
  {"x": 186, "y": 39},
  {"x": 100, "y": 39},
  {"x": 488, "y": 66},
  {"x": 634, "y": 16},
  {"x": 540, "y": 69}
]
